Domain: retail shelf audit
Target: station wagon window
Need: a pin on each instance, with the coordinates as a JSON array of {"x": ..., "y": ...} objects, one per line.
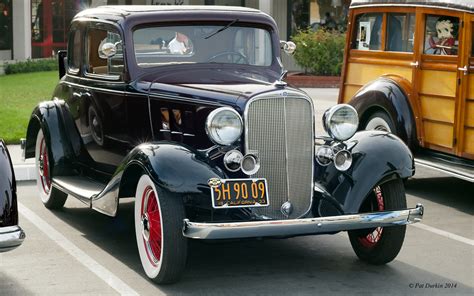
[
  {"x": 400, "y": 32},
  {"x": 156, "y": 46},
  {"x": 441, "y": 35},
  {"x": 74, "y": 51},
  {"x": 98, "y": 64},
  {"x": 368, "y": 31}
]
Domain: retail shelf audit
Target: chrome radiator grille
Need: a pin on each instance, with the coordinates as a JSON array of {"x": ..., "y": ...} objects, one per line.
[{"x": 280, "y": 131}]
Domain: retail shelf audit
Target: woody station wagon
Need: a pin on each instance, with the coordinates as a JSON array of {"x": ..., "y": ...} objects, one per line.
[
  {"x": 409, "y": 69},
  {"x": 184, "y": 109}
]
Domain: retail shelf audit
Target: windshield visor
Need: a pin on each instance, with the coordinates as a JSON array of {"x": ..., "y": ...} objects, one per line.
[{"x": 201, "y": 44}]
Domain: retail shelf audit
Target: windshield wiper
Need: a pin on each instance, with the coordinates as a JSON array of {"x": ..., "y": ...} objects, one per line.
[{"x": 222, "y": 29}]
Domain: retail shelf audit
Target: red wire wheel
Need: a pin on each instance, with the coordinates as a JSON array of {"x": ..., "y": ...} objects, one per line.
[
  {"x": 151, "y": 221},
  {"x": 159, "y": 219},
  {"x": 380, "y": 245},
  {"x": 51, "y": 197},
  {"x": 43, "y": 168},
  {"x": 371, "y": 239}
]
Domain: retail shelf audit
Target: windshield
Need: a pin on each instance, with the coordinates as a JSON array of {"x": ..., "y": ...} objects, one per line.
[{"x": 196, "y": 44}]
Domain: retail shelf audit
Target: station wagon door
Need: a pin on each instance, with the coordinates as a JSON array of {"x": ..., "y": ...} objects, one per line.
[
  {"x": 437, "y": 80},
  {"x": 465, "y": 112}
]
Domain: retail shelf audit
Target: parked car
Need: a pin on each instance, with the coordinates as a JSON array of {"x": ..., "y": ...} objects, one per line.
[
  {"x": 409, "y": 69},
  {"x": 11, "y": 235},
  {"x": 184, "y": 108}
]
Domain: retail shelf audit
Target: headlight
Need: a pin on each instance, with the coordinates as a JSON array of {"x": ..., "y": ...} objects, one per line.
[
  {"x": 341, "y": 122},
  {"x": 224, "y": 126}
]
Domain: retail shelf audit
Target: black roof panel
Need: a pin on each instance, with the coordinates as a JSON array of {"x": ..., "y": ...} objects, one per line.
[{"x": 124, "y": 10}]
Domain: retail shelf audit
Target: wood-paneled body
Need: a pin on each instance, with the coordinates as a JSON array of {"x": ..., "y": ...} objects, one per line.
[
  {"x": 361, "y": 67},
  {"x": 436, "y": 86},
  {"x": 466, "y": 107},
  {"x": 440, "y": 95}
]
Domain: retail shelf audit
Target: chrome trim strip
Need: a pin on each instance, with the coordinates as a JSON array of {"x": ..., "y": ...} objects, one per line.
[
  {"x": 284, "y": 93},
  {"x": 439, "y": 168},
  {"x": 11, "y": 237},
  {"x": 152, "y": 96},
  {"x": 286, "y": 155},
  {"x": 413, "y": 5},
  {"x": 307, "y": 226}
]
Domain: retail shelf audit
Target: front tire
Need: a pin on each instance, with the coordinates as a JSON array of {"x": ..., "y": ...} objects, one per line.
[
  {"x": 382, "y": 244},
  {"x": 158, "y": 228},
  {"x": 51, "y": 197}
]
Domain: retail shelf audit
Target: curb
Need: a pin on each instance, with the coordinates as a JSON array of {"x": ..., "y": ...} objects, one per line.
[{"x": 24, "y": 172}]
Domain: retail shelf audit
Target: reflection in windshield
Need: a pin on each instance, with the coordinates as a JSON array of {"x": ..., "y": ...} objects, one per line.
[{"x": 155, "y": 46}]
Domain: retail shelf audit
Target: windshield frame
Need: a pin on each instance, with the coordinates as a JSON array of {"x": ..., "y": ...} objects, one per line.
[{"x": 275, "y": 64}]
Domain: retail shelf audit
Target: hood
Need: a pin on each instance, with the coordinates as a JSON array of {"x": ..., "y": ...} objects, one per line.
[{"x": 212, "y": 85}]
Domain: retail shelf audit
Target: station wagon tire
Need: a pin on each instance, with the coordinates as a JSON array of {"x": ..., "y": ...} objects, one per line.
[
  {"x": 382, "y": 244},
  {"x": 158, "y": 228},
  {"x": 380, "y": 121},
  {"x": 51, "y": 197}
]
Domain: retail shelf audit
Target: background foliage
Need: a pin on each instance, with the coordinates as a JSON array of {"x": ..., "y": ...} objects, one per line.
[
  {"x": 320, "y": 52},
  {"x": 32, "y": 66}
]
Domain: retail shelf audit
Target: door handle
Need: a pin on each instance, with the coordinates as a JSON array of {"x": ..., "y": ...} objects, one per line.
[
  {"x": 415, "y": 64},
  {"x": 464, "y": 69}
]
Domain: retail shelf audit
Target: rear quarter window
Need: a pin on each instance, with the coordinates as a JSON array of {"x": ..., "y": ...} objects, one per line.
[{"x": 367, "y": 32}]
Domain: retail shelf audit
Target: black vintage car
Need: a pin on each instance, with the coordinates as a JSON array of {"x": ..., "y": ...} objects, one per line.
[
  {"x": 184, "y": 108},
  {"x": 11, "y": 235}
]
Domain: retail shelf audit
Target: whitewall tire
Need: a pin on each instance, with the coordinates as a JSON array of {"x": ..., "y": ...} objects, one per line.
[
  {"x": 158, "y": 229},
  {"x": 51, "y": 197}
]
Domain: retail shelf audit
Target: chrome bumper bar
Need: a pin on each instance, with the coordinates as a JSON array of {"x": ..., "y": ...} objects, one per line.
[
  {"x": 11, "y": 237},
  {"x": 306, "y": 226}
]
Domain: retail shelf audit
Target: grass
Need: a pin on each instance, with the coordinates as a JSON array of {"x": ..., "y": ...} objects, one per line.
[{"x": 19, "y": 94}]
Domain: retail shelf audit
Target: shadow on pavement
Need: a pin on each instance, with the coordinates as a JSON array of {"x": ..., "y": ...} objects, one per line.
[
  {"x": 9, "y": 286},
  {"x": 448, "y": 191}
]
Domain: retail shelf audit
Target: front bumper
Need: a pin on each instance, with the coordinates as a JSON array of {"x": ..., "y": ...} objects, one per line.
[
  {"x": 307, "y": 226},
  {"x": 11, "y": 237}
]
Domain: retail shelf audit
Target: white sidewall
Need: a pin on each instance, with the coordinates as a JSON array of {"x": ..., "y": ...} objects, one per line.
[
  {"x": 377, "y": 123},
  {"x": 44, "y": 197},
  {"x": 150, "y": 270}
]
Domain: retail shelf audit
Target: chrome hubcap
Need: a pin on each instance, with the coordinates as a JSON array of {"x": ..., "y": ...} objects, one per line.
[
  {"x": 41, "y": 165},
  {"x": 145, "y": 222}
]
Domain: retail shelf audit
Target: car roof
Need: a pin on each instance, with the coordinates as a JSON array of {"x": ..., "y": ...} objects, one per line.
[
  {"x": 465, "y": 5},
  {"x": 122, "y": 11}
]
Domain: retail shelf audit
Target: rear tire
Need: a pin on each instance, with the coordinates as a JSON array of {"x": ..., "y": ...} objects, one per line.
[
  {"x": 51, "y": 197},
  {"x": 382, "y": 244},
  {"x": 159, "y": 232}
]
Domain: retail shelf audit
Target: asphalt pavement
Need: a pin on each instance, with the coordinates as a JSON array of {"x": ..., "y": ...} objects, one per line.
[{"x": 77, "y": 251}]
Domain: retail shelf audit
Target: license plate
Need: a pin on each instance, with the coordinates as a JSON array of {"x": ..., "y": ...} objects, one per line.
[{"x": 240, "y": 193}]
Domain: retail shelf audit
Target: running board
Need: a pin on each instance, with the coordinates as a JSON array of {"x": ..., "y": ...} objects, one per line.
[
  {"x": 464, "y": 172},
  {"x": 80, "y": 187}
]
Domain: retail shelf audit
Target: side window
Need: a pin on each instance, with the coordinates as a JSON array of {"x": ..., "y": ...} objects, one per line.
[
  {"x": 97, "y": 63},
  {"x": 441, "y": 35},
  {"x": 400, "y": 32},
  {"x": 74, "y": 51},
  {"x": 367, "y": 32}
]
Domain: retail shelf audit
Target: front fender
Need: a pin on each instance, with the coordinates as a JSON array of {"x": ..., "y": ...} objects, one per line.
[
  {"x": 46, "y": 117},
  {"x": 377, "y": 157},
  {"x": 174, "y": 167}
]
